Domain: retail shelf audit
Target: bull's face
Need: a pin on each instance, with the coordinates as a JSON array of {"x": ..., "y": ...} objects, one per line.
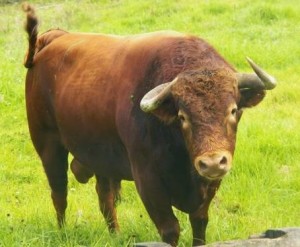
[
  {"x": 207, "y": 104},
  {"x": 207, "y": 109}
]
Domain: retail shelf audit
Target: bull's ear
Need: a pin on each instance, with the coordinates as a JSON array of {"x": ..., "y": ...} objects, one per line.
[
  {"x": 160, "y": 103},
  {"x": 166, "y": 111},
  {"x": 251, "y": 97}
]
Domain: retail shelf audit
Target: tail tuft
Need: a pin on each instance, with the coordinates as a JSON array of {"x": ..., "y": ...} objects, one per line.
[{"x": 31, "y": 27}]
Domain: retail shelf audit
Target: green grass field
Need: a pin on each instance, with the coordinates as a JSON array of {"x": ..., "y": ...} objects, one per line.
[{"x": 263, "y": 189}]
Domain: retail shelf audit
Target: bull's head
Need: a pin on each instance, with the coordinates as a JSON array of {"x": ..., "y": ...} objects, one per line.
[{"x": 208, "y": 103}]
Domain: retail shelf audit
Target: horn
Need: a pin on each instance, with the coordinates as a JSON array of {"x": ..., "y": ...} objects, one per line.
[
  {"x": 260, "y": 80},
  {"x": 156, "y": 96}
]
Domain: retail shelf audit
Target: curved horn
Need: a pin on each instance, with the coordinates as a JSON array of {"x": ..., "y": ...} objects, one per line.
[
  {"x": 260, "y": 80},
  {"x": 156, "y": 96}
]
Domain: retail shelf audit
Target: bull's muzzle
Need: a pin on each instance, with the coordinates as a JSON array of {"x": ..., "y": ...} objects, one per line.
[{"x": 213, "y": 165}]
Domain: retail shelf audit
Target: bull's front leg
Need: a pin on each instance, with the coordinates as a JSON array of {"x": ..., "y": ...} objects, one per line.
[
  {"x": 199, "y": 221},
  {"x": 158, "y": 206},
  {"x": 199, "y": 218}
]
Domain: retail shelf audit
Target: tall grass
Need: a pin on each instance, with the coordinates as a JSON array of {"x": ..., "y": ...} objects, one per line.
[{"x": 262, "y": 191}]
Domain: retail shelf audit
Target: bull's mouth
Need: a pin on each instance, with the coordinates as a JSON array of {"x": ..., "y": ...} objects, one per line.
[
  {"x": 213, "y": 176},
  {"x": 218, "y": 177}
]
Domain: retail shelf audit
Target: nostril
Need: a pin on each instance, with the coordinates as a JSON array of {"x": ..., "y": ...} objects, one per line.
[
  {"x": 223, "y": 162},
  {"x": 202, "y": 165}
]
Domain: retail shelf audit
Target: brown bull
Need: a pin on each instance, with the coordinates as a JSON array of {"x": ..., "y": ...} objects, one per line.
[{"x": 161, "y": 109}]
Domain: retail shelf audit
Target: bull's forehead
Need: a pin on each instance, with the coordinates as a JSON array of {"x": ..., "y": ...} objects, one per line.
[{"x": 210, "y": 88}]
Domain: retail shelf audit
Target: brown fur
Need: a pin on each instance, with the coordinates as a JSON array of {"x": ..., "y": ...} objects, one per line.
[
  {"x": 82, "y": 97},
  {"x": 36, "y": 43},
  {"x": 47, "y": 37},
  {"x": 32, "y": 30},
  {"x": 214, "y": 91}
]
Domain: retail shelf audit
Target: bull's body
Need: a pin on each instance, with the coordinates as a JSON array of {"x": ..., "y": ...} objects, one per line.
[
  {"x": 83, "y": 94},
  {"x": 89, "y": 87}
]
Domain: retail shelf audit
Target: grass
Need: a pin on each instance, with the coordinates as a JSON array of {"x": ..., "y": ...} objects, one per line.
[{"x": 262, "y": 191}]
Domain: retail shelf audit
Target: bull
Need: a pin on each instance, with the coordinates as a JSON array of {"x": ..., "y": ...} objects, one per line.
[{"x": 161, "y": 109}]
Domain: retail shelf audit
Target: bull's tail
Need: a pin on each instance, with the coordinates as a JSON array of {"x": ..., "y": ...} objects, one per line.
[{"x": 31, "y": 28}]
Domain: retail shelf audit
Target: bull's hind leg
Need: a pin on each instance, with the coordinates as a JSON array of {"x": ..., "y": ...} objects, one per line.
[
  {"x": 108, "y": 194},
  {"x": 55, "y": 162}
]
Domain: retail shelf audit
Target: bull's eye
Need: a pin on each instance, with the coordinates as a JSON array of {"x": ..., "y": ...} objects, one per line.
[
  {"x": 234, "y": 112},
  {"x": 184, "y": 121},
  {"x": 181, "y": 118}
]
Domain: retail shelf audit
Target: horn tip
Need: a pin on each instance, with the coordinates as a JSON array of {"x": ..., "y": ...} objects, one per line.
[
  {"x": 249, "y": 59},
  {"x": 251, "y": 62},
  {"x": 269, "y": 81}
]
